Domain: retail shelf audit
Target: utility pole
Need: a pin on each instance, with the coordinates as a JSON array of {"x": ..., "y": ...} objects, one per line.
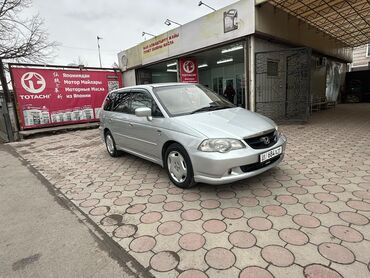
[
  {"x": 4, "y": 84},
  {"x": 98, "y": 39}
]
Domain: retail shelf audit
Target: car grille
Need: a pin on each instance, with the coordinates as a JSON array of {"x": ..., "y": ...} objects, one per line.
[
  {"x": 263, "y": 141},
  {"x": 258, "y": 165}
]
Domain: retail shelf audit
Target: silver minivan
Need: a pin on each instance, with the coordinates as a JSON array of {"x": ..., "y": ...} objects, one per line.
[{"x": 195, "y": 134}]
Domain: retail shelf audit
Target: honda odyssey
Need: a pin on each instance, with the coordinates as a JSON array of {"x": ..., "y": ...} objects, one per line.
[{"x": 195, "y": 134}]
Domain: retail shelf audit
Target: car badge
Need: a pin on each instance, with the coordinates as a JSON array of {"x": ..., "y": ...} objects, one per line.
[{"x": 265, "y": 140}]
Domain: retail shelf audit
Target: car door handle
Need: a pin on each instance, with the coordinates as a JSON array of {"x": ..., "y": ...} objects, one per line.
[{"x": 130, "y": 124}]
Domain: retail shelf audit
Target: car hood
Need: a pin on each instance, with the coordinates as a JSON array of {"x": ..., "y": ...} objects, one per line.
[{"x": 227, "y": 123}]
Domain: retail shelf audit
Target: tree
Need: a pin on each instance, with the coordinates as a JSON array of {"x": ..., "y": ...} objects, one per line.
[{"x": 22, "y": 39}]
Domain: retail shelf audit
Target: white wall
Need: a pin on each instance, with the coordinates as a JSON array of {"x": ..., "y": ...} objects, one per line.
[
  {"x": 360, "y": 58},
  {"x": 129, "y": 78}
]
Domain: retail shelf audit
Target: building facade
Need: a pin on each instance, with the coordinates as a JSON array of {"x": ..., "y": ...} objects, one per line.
[
  {"x": 357, "y": 86},
  {"x": 361, "y": 58},
  {"x": 276, "y": 63}
]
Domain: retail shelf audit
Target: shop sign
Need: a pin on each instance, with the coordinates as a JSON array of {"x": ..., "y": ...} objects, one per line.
[
  {"x": 188, "y": 70},
  {"x": 229, "y": 23},
  {"x": 160, "y": 43},
  {"x": 49, "y": 97}
]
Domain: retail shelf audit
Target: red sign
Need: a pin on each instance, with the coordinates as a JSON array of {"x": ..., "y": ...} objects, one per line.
[
  {"x": 48, "y": 97},
  {"x": 188, "y": 70}
]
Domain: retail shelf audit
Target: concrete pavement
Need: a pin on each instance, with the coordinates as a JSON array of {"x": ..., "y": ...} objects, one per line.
[
  {"x": 41, "y": 237},
  {"x": 308, "y": 217}
]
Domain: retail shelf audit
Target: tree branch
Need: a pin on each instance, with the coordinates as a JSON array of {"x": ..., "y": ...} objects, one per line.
[{"x": 20, "y": 38}]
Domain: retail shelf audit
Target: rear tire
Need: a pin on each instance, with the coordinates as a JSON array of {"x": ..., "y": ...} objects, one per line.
[
  {"x": 178, "y": 166},
  {"x": 111, "y": 145}
]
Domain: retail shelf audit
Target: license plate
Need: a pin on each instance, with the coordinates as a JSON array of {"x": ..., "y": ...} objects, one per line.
[{"x": 270, "y": 154}]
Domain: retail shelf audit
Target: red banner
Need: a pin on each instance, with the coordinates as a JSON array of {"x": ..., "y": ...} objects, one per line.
[
  {"x": 48, "y": 97},
  {"x": 188, "y": 70}
]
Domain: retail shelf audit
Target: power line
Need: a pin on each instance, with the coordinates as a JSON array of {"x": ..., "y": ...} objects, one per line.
[{"x": 88, "y": 49}]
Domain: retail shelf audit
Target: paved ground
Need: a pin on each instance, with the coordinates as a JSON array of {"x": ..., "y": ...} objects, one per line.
[
  {"x": 308, "y": 217},
  {"x": 40, "y": 237}
]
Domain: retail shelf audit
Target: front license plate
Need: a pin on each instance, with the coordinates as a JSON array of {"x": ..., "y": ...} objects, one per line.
[{"x": 270, "y": 154}]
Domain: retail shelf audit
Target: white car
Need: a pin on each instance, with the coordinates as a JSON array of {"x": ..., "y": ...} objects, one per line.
[{"x": 195, "y": 134}]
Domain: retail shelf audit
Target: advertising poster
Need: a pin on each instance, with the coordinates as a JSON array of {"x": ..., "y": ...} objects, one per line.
[
  {"x": 50, "y": 96},
  {"x": 188, "y": 70}
]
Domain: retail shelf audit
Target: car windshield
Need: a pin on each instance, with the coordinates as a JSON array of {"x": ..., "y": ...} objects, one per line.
[{"x": 181, "y": 100}]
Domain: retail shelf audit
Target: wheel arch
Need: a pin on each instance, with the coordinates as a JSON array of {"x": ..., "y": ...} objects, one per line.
[
  {"x": 165, "y": 147},
  {"x": 105, "y": 131},
  {"x": 190, "y": 179}
]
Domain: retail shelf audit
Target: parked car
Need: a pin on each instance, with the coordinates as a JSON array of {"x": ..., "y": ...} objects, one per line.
[{"x": 195, "y": 134}]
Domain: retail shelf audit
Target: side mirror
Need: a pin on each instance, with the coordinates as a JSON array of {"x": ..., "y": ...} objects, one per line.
[{"x": 144, "y": 112}]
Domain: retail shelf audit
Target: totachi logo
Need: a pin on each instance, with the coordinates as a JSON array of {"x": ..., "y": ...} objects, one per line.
[
  {"x": 188, "y": 66},
  {"x": 33, "y": 82}
]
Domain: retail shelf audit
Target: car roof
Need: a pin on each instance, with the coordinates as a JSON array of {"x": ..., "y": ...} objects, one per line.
[{"x": 151, "y": 86}]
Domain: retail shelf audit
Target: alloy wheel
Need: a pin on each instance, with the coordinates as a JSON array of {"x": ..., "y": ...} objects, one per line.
[
  {"x": 109, "y": 143},
  {"x": 177, "y": 166}
]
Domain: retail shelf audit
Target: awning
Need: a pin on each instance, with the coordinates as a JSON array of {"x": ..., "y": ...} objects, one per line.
[{"x": 346, "y": 20}]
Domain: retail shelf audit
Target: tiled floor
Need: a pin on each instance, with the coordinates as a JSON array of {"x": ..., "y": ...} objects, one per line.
[{"x": 307, "y": 217}]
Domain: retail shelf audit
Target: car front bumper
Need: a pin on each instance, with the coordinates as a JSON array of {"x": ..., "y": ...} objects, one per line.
[{"x": 221, "y": 168}]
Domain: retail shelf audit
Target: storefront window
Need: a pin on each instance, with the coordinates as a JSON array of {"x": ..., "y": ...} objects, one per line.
[
  {"x": 225, "y": 71},
  {"x": 220, "y": 69},
  {"x": 159, "y": 73}
]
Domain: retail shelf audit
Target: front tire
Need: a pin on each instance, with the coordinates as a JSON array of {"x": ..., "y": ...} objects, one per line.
[
  {"x": 111, "y": 145},
  {"x": 178, "y": 166}
]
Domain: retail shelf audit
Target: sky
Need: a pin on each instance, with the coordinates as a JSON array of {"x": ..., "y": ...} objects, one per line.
[{"x": 74, "y": 24}]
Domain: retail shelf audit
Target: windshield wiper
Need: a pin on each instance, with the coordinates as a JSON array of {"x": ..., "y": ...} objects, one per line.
[{"x": 209, "y": 108}]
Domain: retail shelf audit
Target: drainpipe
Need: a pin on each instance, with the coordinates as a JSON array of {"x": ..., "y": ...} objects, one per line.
[
  {"x": 246, "y": 74},
  {"x": 251, "y": 74}
]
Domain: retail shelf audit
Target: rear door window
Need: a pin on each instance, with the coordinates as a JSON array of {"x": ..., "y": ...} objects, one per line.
[{"x": 121, "y": 102}]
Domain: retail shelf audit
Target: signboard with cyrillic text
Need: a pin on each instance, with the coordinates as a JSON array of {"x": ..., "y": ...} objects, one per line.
[
  {"x": 52, "y": 96},
  {"x": 188, "y": 70},
  {"x": 229, "y": 23}
]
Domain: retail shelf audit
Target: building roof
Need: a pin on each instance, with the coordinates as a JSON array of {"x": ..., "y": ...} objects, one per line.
[{"x": 346, "y": 20}]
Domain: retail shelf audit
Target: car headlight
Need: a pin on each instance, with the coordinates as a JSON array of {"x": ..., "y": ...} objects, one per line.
[
  {"x": 278, "y": 132},
  {"x": 220, "y": 145}
]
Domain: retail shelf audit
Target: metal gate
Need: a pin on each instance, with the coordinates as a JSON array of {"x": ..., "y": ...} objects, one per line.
[{"x": 283, "y": 84}]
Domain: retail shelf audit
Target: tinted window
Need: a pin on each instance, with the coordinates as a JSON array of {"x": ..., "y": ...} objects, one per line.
[
  {"x": 121, "y": 102},
  {"x": 143, "y": 99},
  {"x": 108, "y": 103},
  {"x": 185, "y": 99},
  {"x": 140, "y": 99}
]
